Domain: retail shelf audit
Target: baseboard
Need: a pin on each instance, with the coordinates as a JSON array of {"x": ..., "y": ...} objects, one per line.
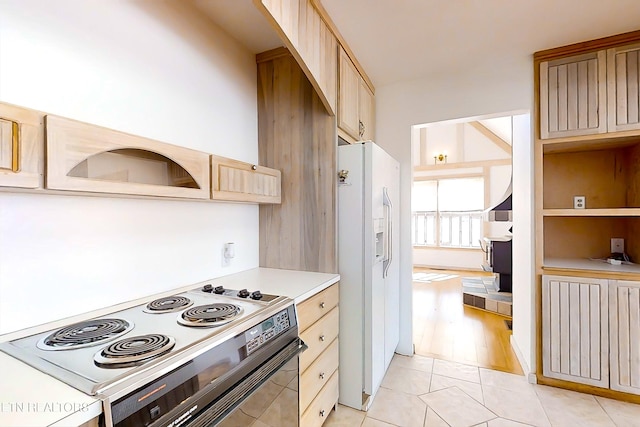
[{"x": 531, "y": 376}]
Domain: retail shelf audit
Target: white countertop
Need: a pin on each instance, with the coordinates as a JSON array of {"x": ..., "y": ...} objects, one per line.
[{"x": 31, "y": 398}]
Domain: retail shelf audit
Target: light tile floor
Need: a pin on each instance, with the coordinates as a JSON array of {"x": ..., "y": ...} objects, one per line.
[{"x": 422, "y": 392}]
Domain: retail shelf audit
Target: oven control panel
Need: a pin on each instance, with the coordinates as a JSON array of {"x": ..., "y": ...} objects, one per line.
[{"x": 267, "y": 330}]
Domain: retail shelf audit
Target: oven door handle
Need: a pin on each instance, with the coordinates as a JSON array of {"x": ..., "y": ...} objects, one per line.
[{"x": 223, "y": 406}]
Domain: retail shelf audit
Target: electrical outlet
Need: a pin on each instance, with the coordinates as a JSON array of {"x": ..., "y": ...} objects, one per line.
[
  {"x": 617, "y": 246},
  {"x": 579, "y": 202}
]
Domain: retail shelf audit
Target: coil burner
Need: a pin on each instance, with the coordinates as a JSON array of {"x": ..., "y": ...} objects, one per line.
[
  {"x": 133, "y": 351},
  {"x": 209, "y": 315},
  {"x": 168, "y": 304},
  {"x": 85, "y": 334}
]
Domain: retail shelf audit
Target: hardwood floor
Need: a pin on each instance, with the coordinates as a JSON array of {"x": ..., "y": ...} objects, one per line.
[{"x": 444, "y": 328}]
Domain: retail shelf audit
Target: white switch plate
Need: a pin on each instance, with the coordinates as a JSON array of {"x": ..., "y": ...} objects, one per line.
[
  {"x": 617, "y": 246},
  {"x": 579, "y": 202}
]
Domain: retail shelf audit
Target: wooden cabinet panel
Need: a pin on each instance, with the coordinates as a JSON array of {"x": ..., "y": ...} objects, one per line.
[
  {"x": 239, "y": 181},
  {"x": 318, "y": 337},
  {"x": 310, "y": 41},
  {"x": 575, "y": 339},
  {"x": 318, "y": 374},
  {"x": 21, "y": 147},
  {"x": 318, "y": 411},
  {"x": 624, "y": 324},
  {"x": 85, "y": 157},
  {"x": 623, "y": 74},
  {"x": 367, "y": 112},
  {"x": 348, "y": 88},
  {"x": 297, "y": 137},
  {"x": 356, "y": 103},
  {"x": 573, "y": 96},
  {"x": 317, "y": 306}
]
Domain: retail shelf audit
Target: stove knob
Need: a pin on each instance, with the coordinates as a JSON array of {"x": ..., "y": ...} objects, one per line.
[
  {"x": 219, "y": 290},
  {"x": 243, "y": 293},
  {"x": 256, "y": 295},
  {"x": 207, "y": 288}
]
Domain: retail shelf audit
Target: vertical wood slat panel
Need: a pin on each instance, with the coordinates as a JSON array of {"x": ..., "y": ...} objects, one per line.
[
  {"x": 583, "y": 95},
  {"x": 562, "y": 98},
  {"x": 592, "y": 76},
  {"x": 623, "y": 337},
  {"x": 572, "y": 96},
  {"x": 574, "y": 329},
  {"x": 554, "y": 324},
  {"x": 634, "y": 334},
  {"x": 565, "y": 348},
  {"x": 585, "y": 332},
  {"x": 595, "y": 344},
  {"x": 632, "y": 87},
  {"x": 553, "y": 99},
  {"x": 621, "y": 89}
]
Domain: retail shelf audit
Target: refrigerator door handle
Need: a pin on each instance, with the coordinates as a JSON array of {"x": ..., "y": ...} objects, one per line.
[{"x": 388, "y": 258}]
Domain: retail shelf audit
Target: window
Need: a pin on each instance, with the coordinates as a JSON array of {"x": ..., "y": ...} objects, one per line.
[{"x": 448, "y": 212}]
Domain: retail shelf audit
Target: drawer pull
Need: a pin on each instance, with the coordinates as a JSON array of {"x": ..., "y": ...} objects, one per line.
[
  {"x": 322, "y": 413},
  {"x": 322, "y": 338},
  {"x": 321, "y": 375},
  {"x": 322, "y": 304}
]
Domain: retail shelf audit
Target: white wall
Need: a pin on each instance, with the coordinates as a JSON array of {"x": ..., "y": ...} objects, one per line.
[
  {"x": 494, "y": 88},
  {"x": 155, "y": 69}
]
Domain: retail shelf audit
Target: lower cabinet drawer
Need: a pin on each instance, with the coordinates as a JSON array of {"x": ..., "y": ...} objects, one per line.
[
  {"x": 318, "y": 337},
  {"x": 318, "y": 374},
  {"x": 321, "y": 406}
]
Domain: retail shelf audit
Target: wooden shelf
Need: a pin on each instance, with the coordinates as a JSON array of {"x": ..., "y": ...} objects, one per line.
[
  {"x": 592, "y": 266},
  {"x": 621, "y": 212}
]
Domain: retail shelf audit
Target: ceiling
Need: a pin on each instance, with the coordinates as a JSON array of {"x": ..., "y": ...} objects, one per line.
[{"x": 401, "y": 40}]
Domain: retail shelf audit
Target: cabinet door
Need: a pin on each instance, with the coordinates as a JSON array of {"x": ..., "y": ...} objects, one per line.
[
  {"x": 367, "y": 113},
  {"x": 348, "y": 86},
  {"x": 243, "y": 182},
  {"x": 575, "y": 341},
  {"x": 624, "y": 324},
  {"x": 623, "y": 74},
  {"x": 21, "y": 147},
  {"x": 573, "y": 96}
]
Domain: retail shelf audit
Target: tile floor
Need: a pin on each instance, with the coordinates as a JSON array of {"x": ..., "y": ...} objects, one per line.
[{"x": 424, "y": 392}]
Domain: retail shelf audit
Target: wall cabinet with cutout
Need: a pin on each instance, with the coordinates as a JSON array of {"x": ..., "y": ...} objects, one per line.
[{"x": 84, "y": 157}]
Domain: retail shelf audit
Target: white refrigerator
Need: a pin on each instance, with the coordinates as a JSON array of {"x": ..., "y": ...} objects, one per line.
[{"x": 368, "y": 242}]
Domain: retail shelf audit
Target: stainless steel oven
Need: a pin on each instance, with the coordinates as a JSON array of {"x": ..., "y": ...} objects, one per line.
[{"x": 206, "y": 357}]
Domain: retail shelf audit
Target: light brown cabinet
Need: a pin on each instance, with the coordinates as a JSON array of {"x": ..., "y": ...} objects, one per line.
[
  {"x": 233, "y": 180},
  {"x": 575, "y": 332},
  {"x": 318, "y": 319},
  {"x": 623, "y": 87},
  {"x": 356, "y": 103},
  {"x": 86, "y": 157},
  {"x": 310, "y": 41},
  {"x": 21, "y": 145},
  {"x": 591, "y": 93},
  {"x": 587, "y": 146},
  {"x": 624, "y": 326},
  {"x": 573, "y": 96}
]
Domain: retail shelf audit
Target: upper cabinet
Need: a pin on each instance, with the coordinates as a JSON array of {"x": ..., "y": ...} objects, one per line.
[
  {"x": 573, "y": 96},
  {"x": 21, "y": 145},
  {"x": 85, "y": 157},
  {"x": 310, "y": 41},
  {"x": 623, "y": 87},
  {"x": 356, "y": 102},
  {"x": 243, "y": 182},
  {"x": 592, "y": 94}
]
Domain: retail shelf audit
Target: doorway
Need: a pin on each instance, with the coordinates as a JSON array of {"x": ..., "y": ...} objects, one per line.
[{"x": 461, "y": 169}]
